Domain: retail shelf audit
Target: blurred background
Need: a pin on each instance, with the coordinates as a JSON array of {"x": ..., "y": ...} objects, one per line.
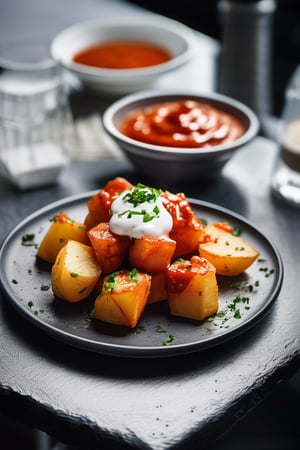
[{"x": 203, "y": 15}]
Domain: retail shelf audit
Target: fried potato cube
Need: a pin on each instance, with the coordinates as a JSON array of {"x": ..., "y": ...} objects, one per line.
[
  {"x": 110, "y": 249},
  {"x": 75, "y": 272},
  {"x": 123, "y": 297},
  {"x": 99, "y": 204},
  {"x": 62, "y": 229},
  {"x": 187, "y": 228},
  {"x": 158, "y": 291},
  {"x": 192, "y": 288},
  {"x": 231, "y": 255},
  {"x": 187, "y": 237},
  {"x": 151, "y": 254}
]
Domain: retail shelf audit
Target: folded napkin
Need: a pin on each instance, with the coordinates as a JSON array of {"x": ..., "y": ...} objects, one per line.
[{"x": 85, "y": 139}]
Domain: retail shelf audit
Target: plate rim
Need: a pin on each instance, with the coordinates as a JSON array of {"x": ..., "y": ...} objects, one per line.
[{"x": 133, "y": 351}]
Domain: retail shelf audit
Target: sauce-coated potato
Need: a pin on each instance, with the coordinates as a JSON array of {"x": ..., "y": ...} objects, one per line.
[
  {"x": 151, "y": 254},
  {"x": 110, "y": 249},
  {"x": 123, "y": 298},
  {"x": 192, "y": 288}
]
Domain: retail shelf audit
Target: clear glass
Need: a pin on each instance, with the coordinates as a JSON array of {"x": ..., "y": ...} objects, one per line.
[
  {"x": 33, "y": 113},
  {"x": 286, "y": 175}
]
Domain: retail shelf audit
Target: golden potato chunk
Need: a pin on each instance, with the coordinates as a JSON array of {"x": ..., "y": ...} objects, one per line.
[
  {"x": 187, "y": 228},
  {"x": 192, "y": 288},
  {"x": 151, "y": 254},
  {"x": 110, "y": 248},
  {"x": 231, "y": 255},
  {"x": 158, "y": 291},
  {"x": 61, "y": 230},
  {"x": 123, "y": 297},
  {"x": 75, "y": 272}
]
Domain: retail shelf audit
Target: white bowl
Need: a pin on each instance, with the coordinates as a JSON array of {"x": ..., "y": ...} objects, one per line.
[
  {"x": 175, "y": 37},
  {"x": 175, "y": 164}
]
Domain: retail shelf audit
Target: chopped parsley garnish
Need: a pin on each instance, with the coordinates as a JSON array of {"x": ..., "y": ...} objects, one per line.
[
  {"x": 178, "y": 261},
  {"x": 28, "y": 237},
  {"x": 271, "y": 271},
  {"x": 237, "y": 300},
  {"x": 111, "y": 283},
  {"x": 234, "y": 308},
  {"x": 267, "y": 271},
  {"x": 141, "y": 194},
  {"x": 74, "y": 275},
  {"x": 132, "y": 275},
  {"x": 92, "y": 312},
  {"x": 168, "y": 340},
  {"x": 28, "y": 240},
  {"x": 83, "y": 290},
  {"x": 159, "y": 328},
  {"x": 45, "y": 287},
  {"x": 244, "y": 285},
  {"x": 139, "y": 329},
  {"x": 237, "y": 231},
  {"x": 146, "y": 216},
  {"x": 237, "y": 314},
  {"x": 240, "y": 303},
  {"x": 219, "y": 314}
]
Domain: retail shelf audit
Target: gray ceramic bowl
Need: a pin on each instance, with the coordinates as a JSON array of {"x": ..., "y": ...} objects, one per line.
[{"x": 174, "y": 164}]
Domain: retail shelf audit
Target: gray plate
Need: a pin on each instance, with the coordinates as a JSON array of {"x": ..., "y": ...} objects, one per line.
[{"x": 22, "y": 281}]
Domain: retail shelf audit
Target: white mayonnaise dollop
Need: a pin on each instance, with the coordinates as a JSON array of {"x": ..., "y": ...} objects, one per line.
[{"x": 138, "y": 212}]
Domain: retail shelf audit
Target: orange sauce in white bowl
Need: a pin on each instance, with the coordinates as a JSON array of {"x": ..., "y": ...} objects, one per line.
[
  {"x": 184, "y": 123},
  {"x": 122, "y": 55}
]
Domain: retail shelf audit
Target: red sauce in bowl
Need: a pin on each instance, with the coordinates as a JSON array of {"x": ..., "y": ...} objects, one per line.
[
  {"x": 185, "y": 123},
  {"x": 122, "y": 55}
]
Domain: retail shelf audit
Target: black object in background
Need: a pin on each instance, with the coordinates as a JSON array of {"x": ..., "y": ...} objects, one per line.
[{"x": 202, "y": 15}]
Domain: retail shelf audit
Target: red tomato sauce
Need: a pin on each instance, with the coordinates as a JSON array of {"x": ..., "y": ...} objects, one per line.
[
  {"x": 122, "y": 55},
  {"x": 185, "y": 123},
  {"x": 223, "y": 226},
  {"x": 179, "y": 274}
]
